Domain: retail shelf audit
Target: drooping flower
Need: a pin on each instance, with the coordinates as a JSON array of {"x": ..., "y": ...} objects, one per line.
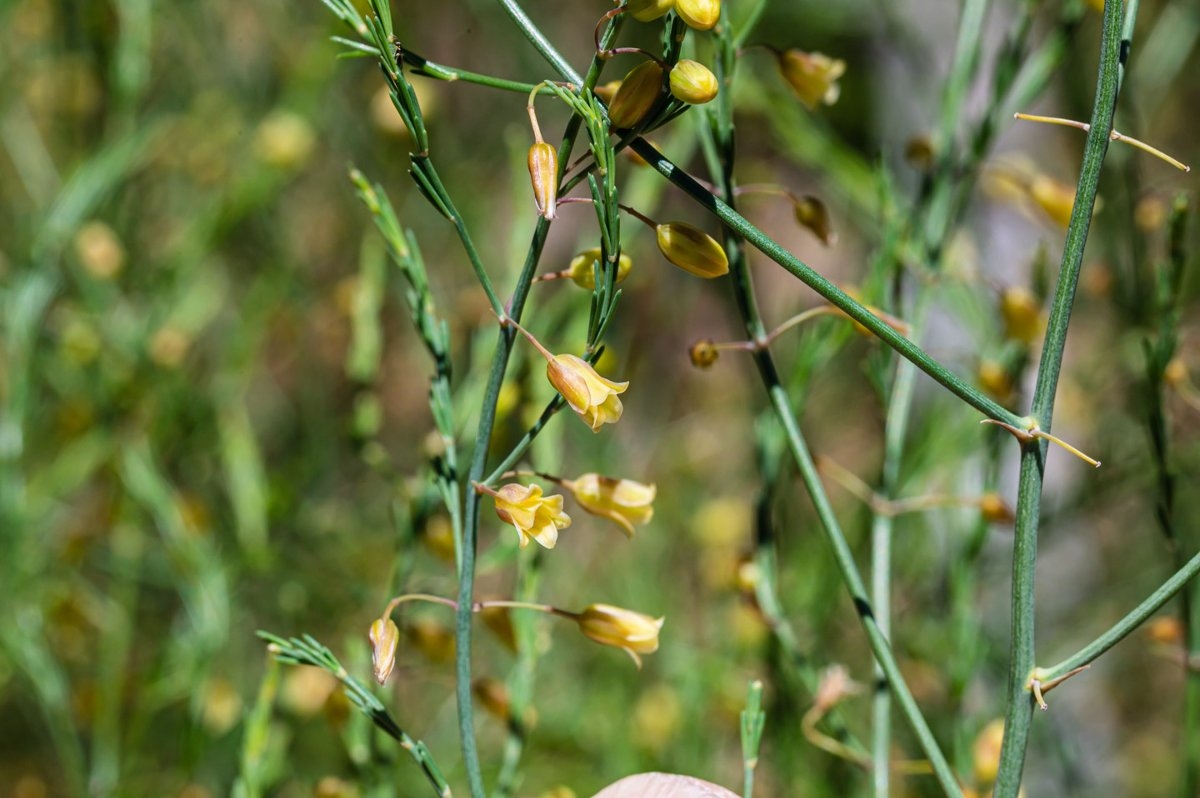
[
  {"x": 813, "y": 76},
  {"x": 534, "y": 516},
  {"x": 692, "y": 250},
  {"x": 591, "y": 396},
  {"x": 543, "y": 172},
  {"x": 621, "y": 501},
  {"x": 631, "y": 631},
  {"x": 385, "y": 637}
]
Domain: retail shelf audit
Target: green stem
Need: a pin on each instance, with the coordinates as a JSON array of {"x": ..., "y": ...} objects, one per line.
[
  {"x": 483, "y": 435},
  {"x": 1123, "y": 627},
  {"x": 882, "y": 524},
  {"x": 834, "y": 295},
  {"x": 844, "y": 559},
  {"x": 1019, "y": 713},
  {"x": 752, "y": 320},
  {"x": 539, "y": 41}
]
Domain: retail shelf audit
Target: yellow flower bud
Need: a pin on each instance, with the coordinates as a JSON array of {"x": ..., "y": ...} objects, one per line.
[
  {"x": 986, "y": 751},
  {"x": 384, "y": 637},
  {"x": 631, "y": 631},
  {"x": 581, "y": 269},
  {"x": 636, "y": 95},
  {"x": 995, "y": 510},
  {"x": 1176, "y": 373},
  {"x": 693, "y": 82},
  {"x": 1022, "y": 314},
  {"x": 543, "y": 171},
  {"x": 1165, "y": 629},
  {"x": 699, "y": 14},
  {"x": 100, "y": 251},
  {"x": 622, "y": 501},
  {"x": 813, "y": 76},
  {"x": 994, "y": 379},
  {"x": 692, "y": 250},
  {"x": 534, "y": 516},
  {"x": 492, "y": 695},
  {"x": 703, "y": 353},
  {"x": 431, "y": 638},
  {"x": 591, "y": 396},
  {"x": 1054, "y": 198},
  {"x": 648, "y": 10}
]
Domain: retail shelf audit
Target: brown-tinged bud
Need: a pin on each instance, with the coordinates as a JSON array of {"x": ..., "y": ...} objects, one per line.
[
  {"x": 648, "y": 10},
  {"x": 583, "y": 266},
  {"x": 492, "y": 696},
  {"x": 699, "y": 14},
  {"x": 1054, "y": 198},
  {"x": 607, "y": 91},
  {"x": 919, "y": 152},
  {"x": 692, "y": 250},
  {"x": 543, "y": 171},
  {"x": 703, "y": 353},
  {"x": 1165, "y": 629},
  {"x": 1176, "y": 373},
  {"x": 384, "y": 637},
  {"x": 693, "y": 82},
  {"x": 499, "y": 623},
  {"x": 995, "y": 510},
  {"x": 812, "y": 214},
  {"x": 995, "y": 379},
  {"x": 636, "y": 95},
  {"x": 1022, "y": 314},
  {"x": 985, "y": 753},
  {"x": 813, "y": 76}
]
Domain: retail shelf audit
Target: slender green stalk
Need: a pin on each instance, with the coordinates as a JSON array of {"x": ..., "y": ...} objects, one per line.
[
  {"x": 895, "y": 429},
  {"x": 753, "y": 721},
  {"x": 1123, "y": 627},
  {"x": 848, "y": 570},
  {"x": 1021, "y": 655},
  {"x": 539, "y": 41},
  {"x": 487, "y": 420}
]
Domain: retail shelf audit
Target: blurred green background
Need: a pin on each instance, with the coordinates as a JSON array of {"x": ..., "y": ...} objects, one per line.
[{"x": 214, "y": 418}]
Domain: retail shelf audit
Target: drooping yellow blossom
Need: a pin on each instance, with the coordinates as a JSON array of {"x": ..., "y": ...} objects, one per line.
[
  {"x": 631, "y": 631},
  {"x": 621, "y": 501},
  {"x": 534, "y": 516},
  {"x": 384, "y": 637},
  {"x": 636, "y": 95},
  {"x": 543, "y": 172},
  {"x": 591, "y": 396},
  {"x": 1055, "y": 198},
  {"x": 985, "y": 753},
  {"x": 648, "y": 10},
  {"x": 1022, "y": 314},
  {"x": 692, "y": 82},
  {"x": 692, "y": 250},
  {"x": 581, "y": 270},
  {"x": 699, "y": 14},
  {"x": 813, "y": 76}
]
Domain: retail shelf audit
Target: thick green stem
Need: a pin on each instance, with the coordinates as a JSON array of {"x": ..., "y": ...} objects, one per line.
[
  {"x": 1021, "y": 652},
  {"x": 1123, "y": 627}
]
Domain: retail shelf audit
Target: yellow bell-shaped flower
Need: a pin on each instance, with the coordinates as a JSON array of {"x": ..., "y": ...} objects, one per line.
[
  {"x": 534, "y": 516},
  {"x": 692, "y": 250},
  {"x": 631, "y": 631},
  {"x": 621, "y": 501},
  {"x": 591, "y": 396}
]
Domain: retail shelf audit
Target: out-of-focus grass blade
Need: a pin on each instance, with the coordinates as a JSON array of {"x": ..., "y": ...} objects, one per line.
[
  {"x": 362, "y": 364},
  {"x": 245, "y": 479}
]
